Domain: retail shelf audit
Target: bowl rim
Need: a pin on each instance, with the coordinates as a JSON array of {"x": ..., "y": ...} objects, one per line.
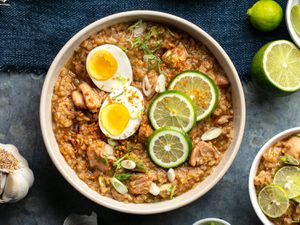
[
  {"x": 166, "y": 205},
  {"x": 252, "y": 193},
  {"x": 199, "y": 222},
  {"x": 292, "y": 32}
]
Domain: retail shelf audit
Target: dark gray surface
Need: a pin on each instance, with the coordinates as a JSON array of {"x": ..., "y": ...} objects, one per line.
[{"x": 51, "y": 198}]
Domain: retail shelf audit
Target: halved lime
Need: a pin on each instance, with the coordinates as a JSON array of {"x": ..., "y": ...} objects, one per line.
[
  {"x": 288, "y": 177},
  {"x": 172, "y": 108},
  {"x": 273, "y": 201},
  {"x": 295, "y": 18},
  {"x": 200, "y": 88},
  {"x": 277, "y": 66},
  {"x": 297, "y": 199},
  {"x": 169, "y": 147}
]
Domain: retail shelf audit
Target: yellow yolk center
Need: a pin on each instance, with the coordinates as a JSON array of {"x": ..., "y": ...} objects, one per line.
[
  {"x": 102, "y": 65},
  {"x": 114, "y": 118}
]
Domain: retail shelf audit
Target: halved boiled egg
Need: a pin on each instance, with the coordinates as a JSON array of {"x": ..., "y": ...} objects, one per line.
[
  {"x": 109, "y": 67},
  {"x": 121, "y": 113}
]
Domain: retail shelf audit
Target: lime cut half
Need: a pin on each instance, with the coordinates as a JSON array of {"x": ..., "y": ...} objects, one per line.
[
  {"x": 169, "y": 147},
  {"x": 172, "y": 108},
  {"x": 277, "y": 65},
  {"x": 288, "y": 178},
  {"x": 295, "y": 18},
  {"x": 200, "y": 88},
  {"x": 273, "y": 201}
]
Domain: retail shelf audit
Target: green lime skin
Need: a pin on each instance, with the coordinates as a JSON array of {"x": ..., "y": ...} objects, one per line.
[
  {"x": 166, "y": 129},
  {"x": 265, "y": 15},
  {"x": 259, "y": 77},
  {"x": 257, "y": 66}
]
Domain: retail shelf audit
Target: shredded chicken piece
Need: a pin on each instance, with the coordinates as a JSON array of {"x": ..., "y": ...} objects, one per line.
[
  {"x": 221, "y": 80},
  {"x": 78, "y": 100},
  {"x": 293, "y": 147},
  {"x": 91, "y": 98},
  {"x": 145, "y": 129},
  {"x": 94, "y": 154},
  {"x": 176, "y": 56},
  {"x": 139, "y": 184},
  {"x": 203, "y": 153},
  {"x": 224, "y": 119}
]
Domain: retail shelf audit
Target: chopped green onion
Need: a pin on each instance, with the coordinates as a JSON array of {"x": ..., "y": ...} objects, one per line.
[
  {"x": 101, "y": 182},
  {"x": 128, "y": 164},
  {"x": 135, "y": 25},
  {"x": 123, "y": 176},
  {"x": 152, "y": 32},
  {"x": 121, "y": 78},
  {"x": 118, "y": 185},
  {"x": 170, "y": 32},
  {"x": 141, "y": 167},
  {"x": 118, "y": 95},
  {"x": 172, "y": 191},
  {"x": 103, "y": 160},
  {"x": 117, "y": 163},
  {"x": 289, "y": 160}
]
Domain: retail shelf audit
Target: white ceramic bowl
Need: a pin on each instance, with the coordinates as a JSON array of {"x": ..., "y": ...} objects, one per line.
[
  {"x": 264, "y": 219},
  {"x": 64, "y": 55},
  {"x": 202, "y": 222},
  {"x": 293, "y": 34}
]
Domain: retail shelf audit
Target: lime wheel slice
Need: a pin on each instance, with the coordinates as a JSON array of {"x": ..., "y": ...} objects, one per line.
[
  {"x": 273, "y": 201},
  {"x": 200, "y": 88},
  {"x": 288, "y": 177},
  {"x": 169, "y": 147},
  {"x": 172, "y": 108}
]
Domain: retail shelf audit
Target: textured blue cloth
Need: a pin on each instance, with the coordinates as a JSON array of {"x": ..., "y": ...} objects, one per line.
[{"x": 33, "y": 31}]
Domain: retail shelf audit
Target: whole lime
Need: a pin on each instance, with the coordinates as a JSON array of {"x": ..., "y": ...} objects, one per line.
[{"x": 265, "y": 15}]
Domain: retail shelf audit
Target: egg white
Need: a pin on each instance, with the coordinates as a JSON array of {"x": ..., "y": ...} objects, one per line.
[
  {"x": 123, "y": 75},
  {"x": 135, "y": 108}
]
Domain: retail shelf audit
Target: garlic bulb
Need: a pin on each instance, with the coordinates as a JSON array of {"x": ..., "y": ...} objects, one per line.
[{"x": 15, "y": 176}]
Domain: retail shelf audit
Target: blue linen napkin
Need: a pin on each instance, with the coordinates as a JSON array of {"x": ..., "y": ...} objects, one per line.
[{"x": 33, "y": 31}]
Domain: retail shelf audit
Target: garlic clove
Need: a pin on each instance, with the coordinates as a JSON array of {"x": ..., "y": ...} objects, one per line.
[
  {"x": 154, "y": 189},
  {"x": 3, "y": 177},
  {"x": 108, "y": 150},
  {"x": 147, "y": 87},
  {"x": 211, "y": 134},
  {"x": 171, "y": 175},
  {"x": 128, "y": 164},
  {"x": 16, "y": 188},
  {"x": 139, "y": 30},
  {"x": 27, "y": 174},
  {"x": 160, "y": 84}
]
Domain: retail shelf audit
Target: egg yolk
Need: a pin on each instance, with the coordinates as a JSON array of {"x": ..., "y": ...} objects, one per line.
[
  {"x": 102, "y": 65},
  {"x": 114, "y": 118}
]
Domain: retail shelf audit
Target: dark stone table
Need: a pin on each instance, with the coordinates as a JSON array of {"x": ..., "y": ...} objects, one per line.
[{"x": 52, "y": 199}]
